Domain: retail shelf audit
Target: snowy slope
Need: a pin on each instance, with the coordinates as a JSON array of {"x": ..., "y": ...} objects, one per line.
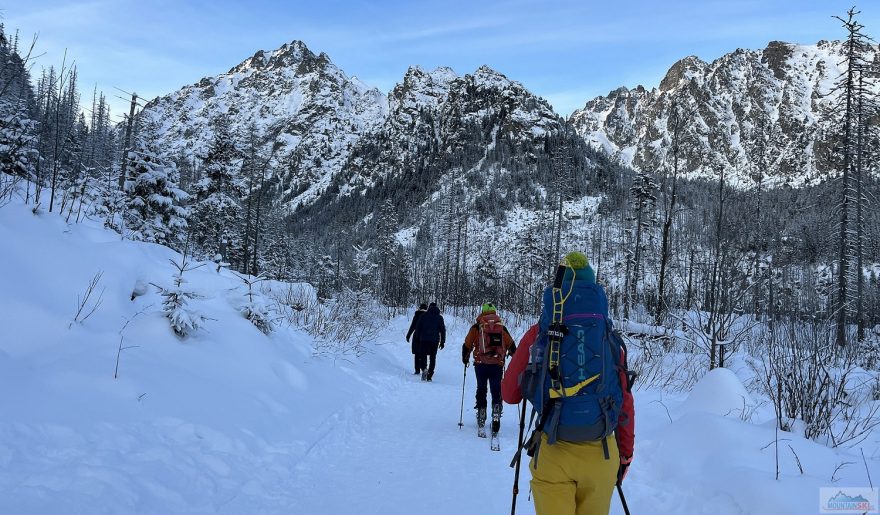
[
  {"x": 215, "y": 422},
  {"x": 232, "y": 421}
]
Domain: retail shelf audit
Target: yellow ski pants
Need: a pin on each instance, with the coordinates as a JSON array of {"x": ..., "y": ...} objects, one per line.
[{"x": 574, "y": 478}]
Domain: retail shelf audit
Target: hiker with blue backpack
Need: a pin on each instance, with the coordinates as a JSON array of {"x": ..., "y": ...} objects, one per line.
[
  {"x": 489, "y": 342},
  {"x": 572, "y": 369}
]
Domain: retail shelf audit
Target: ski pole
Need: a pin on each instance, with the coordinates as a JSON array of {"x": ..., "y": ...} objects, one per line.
[
  {"x": 461, "y": 414},
  {"x": 622, "y": 499},
  {"x": 522, "y": 428}
]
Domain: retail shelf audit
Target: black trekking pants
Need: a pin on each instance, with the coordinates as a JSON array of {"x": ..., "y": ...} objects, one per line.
[
  {"x": 488, "y": 374},
  {"x": 426, "y": 362}
]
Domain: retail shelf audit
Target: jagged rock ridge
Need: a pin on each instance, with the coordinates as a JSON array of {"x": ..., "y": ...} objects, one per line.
[{"x": 754, "y": 114}]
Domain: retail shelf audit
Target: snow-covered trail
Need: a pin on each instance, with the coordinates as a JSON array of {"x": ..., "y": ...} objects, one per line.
[
  {"x": 404, "y": 453},
  {"x": 407, "y": 454}
]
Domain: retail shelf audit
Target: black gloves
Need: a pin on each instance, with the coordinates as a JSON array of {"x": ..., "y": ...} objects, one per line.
[{"x": 624, "y": 467}]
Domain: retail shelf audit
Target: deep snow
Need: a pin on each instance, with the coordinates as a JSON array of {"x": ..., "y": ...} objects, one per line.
[{"x": 232, "y": 421}]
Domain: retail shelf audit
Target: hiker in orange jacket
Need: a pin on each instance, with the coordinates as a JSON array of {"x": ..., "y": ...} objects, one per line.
[{"x": 490, "y": 342}]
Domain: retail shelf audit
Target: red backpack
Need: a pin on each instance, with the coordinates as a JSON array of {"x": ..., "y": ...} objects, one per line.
[{"x": 490, "y": 345}]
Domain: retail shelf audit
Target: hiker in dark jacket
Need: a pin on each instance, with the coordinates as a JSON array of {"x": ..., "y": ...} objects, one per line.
[
  {"x": 431, "y": 332},
  {"x": 416, "y": 349}
]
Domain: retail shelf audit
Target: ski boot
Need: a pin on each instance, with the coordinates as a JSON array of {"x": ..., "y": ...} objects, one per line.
[
  {"x": 424, "y": 375},
  {"x": 481, "y": 422},
  {"x": 496, "y": 425}
]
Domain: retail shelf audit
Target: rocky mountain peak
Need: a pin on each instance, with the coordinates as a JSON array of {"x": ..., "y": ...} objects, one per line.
[
  {"x": 685, "y": 69},
  {"x": 775, "y": 56},
  {"x": 417, "y": 79},
  {"x": 288, "y": 55},
  {"x": 487, "y": 76}
]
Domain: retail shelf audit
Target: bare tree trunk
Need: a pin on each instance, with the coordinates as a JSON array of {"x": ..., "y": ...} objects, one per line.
[
  {"x": 664, "y": 247},
  {"x": 677, "y": 122},
  {"x": 55, "y": 158},
  {"x": 127, "y": 145},
  {"x": 714, "y": 305},
  {"x": 843, "y": 264},
  {"x": 860, "y": 275},
  {"x": 256, "y": 251},
  {"x": 690, "y": 282}
]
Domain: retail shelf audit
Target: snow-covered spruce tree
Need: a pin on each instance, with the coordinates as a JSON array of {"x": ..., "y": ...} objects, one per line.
[
  {"x": 217, "y": 211},
  {"x": 100, "y": 143},
  {"x": 18, "y": 156},
  {"x": 175, "y": 302},
  {"x": 17, "y": 143},
  {"x": 325, "y": 267},
  {"x": 58, "y": 127},
  {"x": 486, "y": 272},
  {"x": 254, "y": 308},
  {"x": 387, "y": 226},
  {"x": 152, "y": 204},
  {"x": 256, "y": 197},
  {"x": 401, "y": 283}
]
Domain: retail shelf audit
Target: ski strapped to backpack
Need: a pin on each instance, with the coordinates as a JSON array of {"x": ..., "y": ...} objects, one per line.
[
  {"x": 535, "y": 375},
  {"x": 572, "y": 378}
]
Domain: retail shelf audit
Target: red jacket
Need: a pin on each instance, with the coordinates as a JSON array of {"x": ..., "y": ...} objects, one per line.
[{"x": 511, "y": 393}]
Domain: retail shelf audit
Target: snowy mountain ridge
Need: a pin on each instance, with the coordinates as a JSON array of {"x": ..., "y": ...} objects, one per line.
[
  {"x": 776, "y": 95},
  {"x": 313, "y": 117},
  {"x": 303, "y": 109}
]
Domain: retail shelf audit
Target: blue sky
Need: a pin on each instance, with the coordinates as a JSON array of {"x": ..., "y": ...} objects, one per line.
[{"x": 565, "y": 51}]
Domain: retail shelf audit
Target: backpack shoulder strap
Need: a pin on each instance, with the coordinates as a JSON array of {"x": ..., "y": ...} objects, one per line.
[{"x": 617, "y": 339}]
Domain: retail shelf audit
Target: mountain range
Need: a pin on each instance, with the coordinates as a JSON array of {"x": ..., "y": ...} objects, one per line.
[{"x": 756, "y": 114}]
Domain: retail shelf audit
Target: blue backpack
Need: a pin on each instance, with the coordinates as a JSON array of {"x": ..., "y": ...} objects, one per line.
[{"x": 572, "y": 377}]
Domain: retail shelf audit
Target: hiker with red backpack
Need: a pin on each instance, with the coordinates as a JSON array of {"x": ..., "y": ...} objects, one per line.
[
  {"x": 573, "y": 371},
  {"x": 490, "y": 343}
]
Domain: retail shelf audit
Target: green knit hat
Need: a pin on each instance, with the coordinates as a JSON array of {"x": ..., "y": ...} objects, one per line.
[
  {"x": 487, "y": 308},
  {"x": 577, "y": 268},
  {"x": 576, "y": 260}
]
